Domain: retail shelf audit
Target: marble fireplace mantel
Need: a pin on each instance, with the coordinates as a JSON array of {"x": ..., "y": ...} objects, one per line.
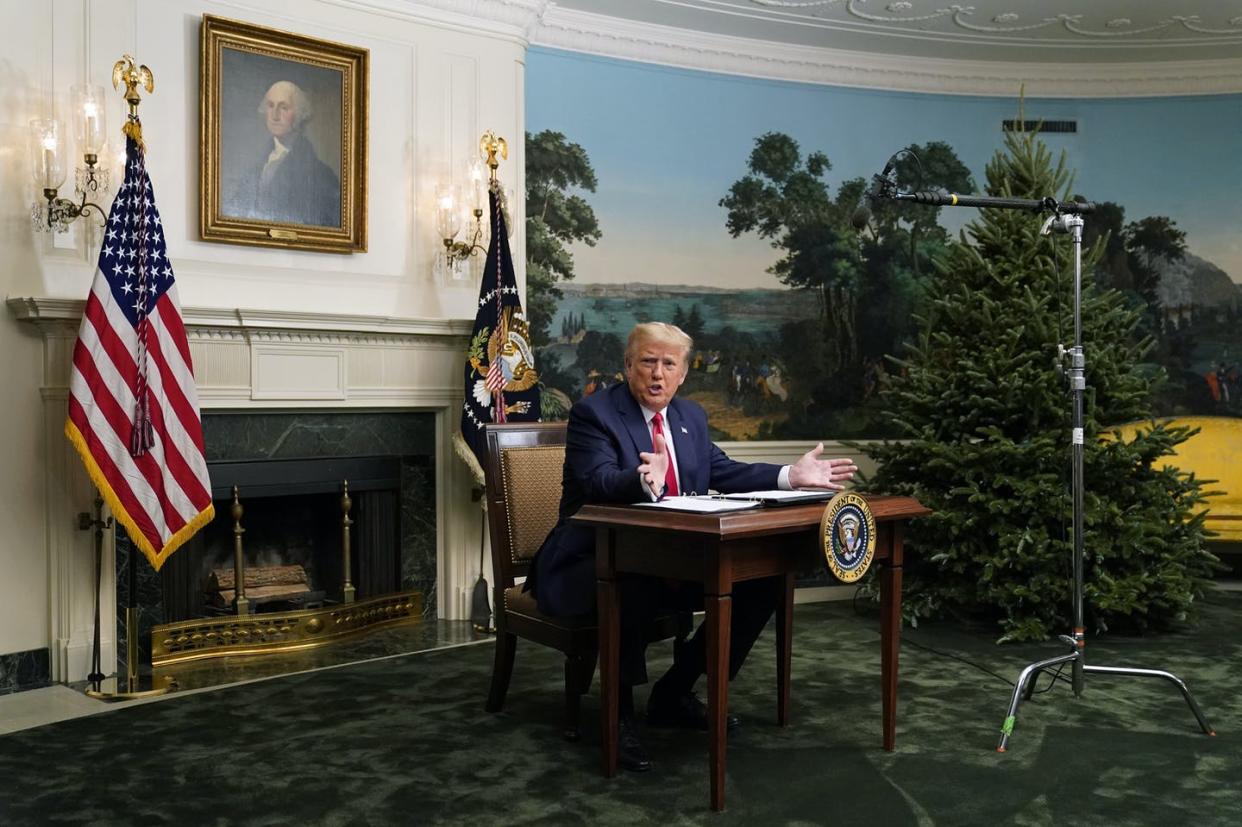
[{"x": 259, "y": 359}]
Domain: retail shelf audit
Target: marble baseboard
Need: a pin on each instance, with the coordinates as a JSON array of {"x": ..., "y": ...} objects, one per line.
[{"x": 19, "y": 671}]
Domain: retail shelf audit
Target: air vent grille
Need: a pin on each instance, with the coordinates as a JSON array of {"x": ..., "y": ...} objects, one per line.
[{"x": 1011, "y": 125}]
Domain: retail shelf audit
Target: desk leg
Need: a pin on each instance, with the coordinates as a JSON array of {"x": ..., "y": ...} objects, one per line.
[
  {"x": 890, "y": 635},
  {"x": 784, "y": 648},
  {"x": 609, "y": 666},
  {"x": 719, "y": 620}
]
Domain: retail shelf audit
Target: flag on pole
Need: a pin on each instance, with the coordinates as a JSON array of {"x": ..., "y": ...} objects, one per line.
[
  {"x": 502, "y": 384},
  {"x": 133, "y": 408}
]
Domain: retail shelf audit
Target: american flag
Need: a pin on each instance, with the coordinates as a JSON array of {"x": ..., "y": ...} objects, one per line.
[
  {"x": 495, "y": 377},
  {"x": 133, "y": 408}
]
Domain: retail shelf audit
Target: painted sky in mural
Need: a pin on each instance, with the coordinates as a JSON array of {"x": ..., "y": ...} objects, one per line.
[{"x": 686, "y": 135}]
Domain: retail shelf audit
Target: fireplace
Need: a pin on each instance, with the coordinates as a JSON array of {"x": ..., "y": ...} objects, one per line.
[{"x": 289, "y": 469}]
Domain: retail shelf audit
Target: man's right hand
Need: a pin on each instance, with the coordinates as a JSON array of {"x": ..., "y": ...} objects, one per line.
[{"x": 654, "y": 468}]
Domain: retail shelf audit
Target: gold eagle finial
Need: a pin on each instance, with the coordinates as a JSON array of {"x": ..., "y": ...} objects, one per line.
[
  {"x": 125, "y": 70},
  {"x": 489, "y": 147},
  {"x": 132, "y": 76}
]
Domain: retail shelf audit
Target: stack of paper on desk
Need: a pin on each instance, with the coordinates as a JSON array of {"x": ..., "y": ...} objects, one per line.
[
  {"x": 715, "y": 503},
  {"x": 701, "y": 505},
  {"x": 781, "y": 497}
]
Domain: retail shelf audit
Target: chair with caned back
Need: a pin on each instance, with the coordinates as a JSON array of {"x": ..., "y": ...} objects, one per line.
[{"x": 523, "y": 471}]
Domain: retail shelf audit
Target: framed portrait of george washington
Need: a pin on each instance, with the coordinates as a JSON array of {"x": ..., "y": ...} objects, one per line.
[{"x": 283, "y": 137}]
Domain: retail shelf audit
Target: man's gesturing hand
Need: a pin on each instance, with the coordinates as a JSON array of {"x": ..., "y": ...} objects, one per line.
[
  {"x": 654, "y": 469},
  {"x": 812, "y": 472}
]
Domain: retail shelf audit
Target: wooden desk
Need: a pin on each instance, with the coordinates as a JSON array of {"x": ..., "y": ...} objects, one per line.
[{"x": 719, "y": 550}]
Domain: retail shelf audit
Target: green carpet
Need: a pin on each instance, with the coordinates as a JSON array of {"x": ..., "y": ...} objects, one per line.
[{"x": 405, "y": 741}]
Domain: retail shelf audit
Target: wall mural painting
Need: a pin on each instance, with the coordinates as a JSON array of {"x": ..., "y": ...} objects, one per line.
[{"x": 744, "y": 239}]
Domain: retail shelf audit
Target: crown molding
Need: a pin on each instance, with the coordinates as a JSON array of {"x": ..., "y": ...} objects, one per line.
[
  {"x": 1021, "y": 25},
  {"x": 510, "y": 20},
  {"x": 544, "y": 23},
  {"x": 596, "y": 34},
  {"x": 272, "y": 323}
]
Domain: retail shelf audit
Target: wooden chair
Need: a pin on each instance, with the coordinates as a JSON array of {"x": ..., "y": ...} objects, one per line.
[{"x": 523, "y": 472}]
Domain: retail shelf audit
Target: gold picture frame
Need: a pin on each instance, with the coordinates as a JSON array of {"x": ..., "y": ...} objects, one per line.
[{"x": 283, "y": 136}]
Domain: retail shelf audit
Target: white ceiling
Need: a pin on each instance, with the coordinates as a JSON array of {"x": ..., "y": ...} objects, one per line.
[{"x": 1027, "y": 31}]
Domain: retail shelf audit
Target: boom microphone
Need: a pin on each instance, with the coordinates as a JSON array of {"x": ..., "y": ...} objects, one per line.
[
  {"x": 939, "y": 198},
  {"x": 862, "y": 213}
]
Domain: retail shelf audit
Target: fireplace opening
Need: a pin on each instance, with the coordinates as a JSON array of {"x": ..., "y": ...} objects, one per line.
[
  {"x": 289, "y": 467},
  {"x": 292, "y": 519}
]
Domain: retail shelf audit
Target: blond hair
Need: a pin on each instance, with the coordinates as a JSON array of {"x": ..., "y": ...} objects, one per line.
[{"x": 660, "y": 333}]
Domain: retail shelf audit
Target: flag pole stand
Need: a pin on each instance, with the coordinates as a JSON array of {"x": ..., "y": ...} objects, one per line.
[
  {"x": 85, "y": 523},
  {"x": 132, "y": 685},
  {"x": 480, "y": 606}
]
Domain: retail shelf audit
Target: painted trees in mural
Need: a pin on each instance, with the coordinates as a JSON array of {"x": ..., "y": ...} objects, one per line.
[
  {"x": 867, "y": 289},
  {"x": 982, "y": 412},
  {"x": 556, "y": 216},
  {"x": 784, "y": 198},
  {"x": 1190, "y": 309},
  {"x": 898, "y": 252}
]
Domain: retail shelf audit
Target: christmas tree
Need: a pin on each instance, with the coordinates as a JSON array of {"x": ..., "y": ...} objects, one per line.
[{"x": 983, "y": 413}]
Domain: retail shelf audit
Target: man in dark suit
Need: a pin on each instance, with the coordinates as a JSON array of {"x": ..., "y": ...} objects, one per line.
[{"x": 635, "y": 441}]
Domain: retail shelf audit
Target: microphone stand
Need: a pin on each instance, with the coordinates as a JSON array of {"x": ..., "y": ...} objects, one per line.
[{"x": 1066, "y": 217}]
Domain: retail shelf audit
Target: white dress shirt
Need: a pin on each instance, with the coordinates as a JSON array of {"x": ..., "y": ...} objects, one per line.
[
  {"x": 782, "y": 480},
  {"x": 278, "y": 153}
]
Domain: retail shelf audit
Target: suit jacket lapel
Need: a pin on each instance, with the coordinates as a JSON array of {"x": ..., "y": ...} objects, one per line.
[
  {"x": 632, "y": 416},
  {"x": 683, "y": 445}
]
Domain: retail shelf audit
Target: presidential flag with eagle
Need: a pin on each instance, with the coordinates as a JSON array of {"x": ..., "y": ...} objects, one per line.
[{"x": 501, "y": 383}]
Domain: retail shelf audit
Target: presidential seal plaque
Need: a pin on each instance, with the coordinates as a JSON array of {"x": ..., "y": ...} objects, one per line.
[{"x": 847, "y": 531}]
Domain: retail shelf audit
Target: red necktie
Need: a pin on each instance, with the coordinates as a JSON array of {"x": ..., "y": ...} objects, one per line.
[{"x": 670, "y": 477}]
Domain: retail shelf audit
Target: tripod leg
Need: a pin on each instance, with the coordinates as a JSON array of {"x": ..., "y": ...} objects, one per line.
[
  {"x": 1030, "y": 685},
  {"x": 1159, "y": 673},
  {"x": 1026, "y": 679}
]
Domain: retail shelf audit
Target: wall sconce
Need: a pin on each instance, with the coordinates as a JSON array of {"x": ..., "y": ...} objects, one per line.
[
  {"x": 468, "y": 201},
  {"x": 48, "y": 151},
  {"x": 451, "y": 208}
]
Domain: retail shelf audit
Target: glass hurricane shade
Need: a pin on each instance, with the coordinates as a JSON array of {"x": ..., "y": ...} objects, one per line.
[
  {"x": 476, "y": 174},
  {"x": 89, "y": 128},
  {"x": 448, "y": 213},
  {"x": 47, "y": 155}
]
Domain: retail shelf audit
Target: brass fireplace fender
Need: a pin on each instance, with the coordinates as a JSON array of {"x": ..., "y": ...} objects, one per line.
[{"x": 268, "y": 633}]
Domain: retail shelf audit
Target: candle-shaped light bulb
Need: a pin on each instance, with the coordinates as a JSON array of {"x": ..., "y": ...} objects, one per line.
[
  {"x": 89, "y": 126},
  {"x": 92, "y": 118},
  {"x": 477, "y": 173},
  {"x": 46, "y": 165}
]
